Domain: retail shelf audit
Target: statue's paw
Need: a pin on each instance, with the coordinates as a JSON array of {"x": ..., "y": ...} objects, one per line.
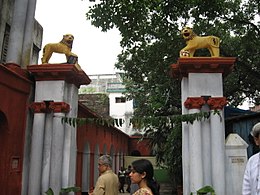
[
  {"x": 72, "y": 59},
  {"x": 184, "y": 53},
  {"x": 73, "y": 54}
]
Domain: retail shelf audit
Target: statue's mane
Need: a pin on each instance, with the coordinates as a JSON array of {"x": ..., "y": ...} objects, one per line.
[
  {"x": 63, "y": 41},
  {"x": 192, "y": 35}
]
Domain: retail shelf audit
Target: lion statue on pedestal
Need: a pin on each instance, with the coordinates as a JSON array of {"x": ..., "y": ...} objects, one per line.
[
  {"x": 64, "y": 46},
  {"x": 195, "y": 42}
]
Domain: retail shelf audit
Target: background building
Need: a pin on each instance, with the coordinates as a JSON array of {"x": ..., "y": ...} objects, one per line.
[
  {"x": 117, "y": 105},
  {"x": 20, "y": 33}
]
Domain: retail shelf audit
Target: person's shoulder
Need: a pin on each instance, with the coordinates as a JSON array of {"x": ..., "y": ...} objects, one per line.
[
  {"x": 253, "y": 159},
  {"x": 255, "y": 156},
  {"x": 144, "y": 191},
  {"x": 106, "y": 173},
  {"x": 112, "y": 173},
  {"x": 109, "y": 174}
]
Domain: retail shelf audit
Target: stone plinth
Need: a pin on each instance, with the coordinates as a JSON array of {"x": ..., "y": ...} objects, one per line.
[
  {"x": 236, "y": 159},
  {"x": 53, "y": 72},
  {"x": 203, "y": 142},
  {"x": 184, "y": 66}
]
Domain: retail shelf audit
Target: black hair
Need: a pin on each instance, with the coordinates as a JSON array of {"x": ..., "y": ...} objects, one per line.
[{"x": 144, "y": 165}]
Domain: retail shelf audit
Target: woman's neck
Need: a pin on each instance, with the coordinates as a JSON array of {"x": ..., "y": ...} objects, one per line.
[{"x": 143, "y": 184}]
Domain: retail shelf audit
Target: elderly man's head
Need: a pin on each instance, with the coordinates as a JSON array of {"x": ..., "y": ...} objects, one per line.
[
  {"x": 104, "y": 163},
  {"x": 256, "y": 133}
]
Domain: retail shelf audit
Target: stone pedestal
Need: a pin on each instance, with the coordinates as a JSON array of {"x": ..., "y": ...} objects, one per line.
[
  {"x": 53, "y": 151},
  {"x": 236, "y": 159},
  {"x": 203, "y": 141}
]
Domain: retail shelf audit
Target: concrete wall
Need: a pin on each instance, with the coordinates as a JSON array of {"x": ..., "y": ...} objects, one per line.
[
  {"x": 123, "y": 110},
  {"x": 5, "y": 19},
  {"x": 6, "y": 16}
]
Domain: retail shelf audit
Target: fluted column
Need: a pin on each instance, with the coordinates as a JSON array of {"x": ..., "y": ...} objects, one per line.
[
  {"x": 37, "y": 148},
  {"x": 57, "y": 145},
  {"x": 47, "y": 152},
  {"x": 70, "y": 145},
  {"x": 185, "y": 139},
  {"x": 218, "y": 148},
  {"x": 206, "y": 148},
  {"x": 57, "y": 153},
  {"x": 194, "y": 105}
]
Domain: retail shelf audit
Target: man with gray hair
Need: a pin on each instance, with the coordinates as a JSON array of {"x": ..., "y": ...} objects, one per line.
[
  {"x": 251, "y": 182},
  {"x": 107, "y": 183}
]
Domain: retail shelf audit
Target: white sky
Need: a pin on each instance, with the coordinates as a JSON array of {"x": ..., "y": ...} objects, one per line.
[{"x": 97, "y": 51}]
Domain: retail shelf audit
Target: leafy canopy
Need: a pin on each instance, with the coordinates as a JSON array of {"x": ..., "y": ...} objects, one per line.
[{"x": 151, "y": 41}]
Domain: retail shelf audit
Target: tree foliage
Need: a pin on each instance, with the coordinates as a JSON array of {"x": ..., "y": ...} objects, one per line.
[{"x": 151, "y": 41}]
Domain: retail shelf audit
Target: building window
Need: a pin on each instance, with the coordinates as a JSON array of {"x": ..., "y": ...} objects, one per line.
[
  {"x": 120, "y": 99},
  {"x": 35, "y": 54},
  {"x": 5, "y": 43}
]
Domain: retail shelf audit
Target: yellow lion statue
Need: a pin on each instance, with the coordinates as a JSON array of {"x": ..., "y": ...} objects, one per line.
[
  {"x": 64, "y": 46},
  {"x": 194, "y": 42}
]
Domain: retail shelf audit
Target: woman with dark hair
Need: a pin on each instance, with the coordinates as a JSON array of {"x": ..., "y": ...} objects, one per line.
[{"x": 142, "y": 174}]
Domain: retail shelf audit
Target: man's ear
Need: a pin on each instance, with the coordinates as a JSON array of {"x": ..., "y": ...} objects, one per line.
[{"x": 257, "y": 141}]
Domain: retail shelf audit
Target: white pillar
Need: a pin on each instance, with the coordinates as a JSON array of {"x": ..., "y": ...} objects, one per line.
[
  {"x": 36, "y": 154},
  {"x": 218, "y": 152},
  {"x": 206, "y": 148},
  {"x": 47, "y": 152},
  {"x": 202, "y": 77},
  {"x": 60, "y": 97},
  {"x": 57, "y": 153},
  {"x": 70, "y": 145},
  {"x": 68, "y": 150},
  {"x": 196, "y": 163},
  {"x": 185, "y": 140}
]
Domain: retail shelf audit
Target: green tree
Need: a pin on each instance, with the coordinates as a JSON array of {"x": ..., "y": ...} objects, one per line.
[{"x": 151, "y": 41}]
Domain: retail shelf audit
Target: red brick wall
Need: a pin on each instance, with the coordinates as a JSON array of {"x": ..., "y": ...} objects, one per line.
[
  {"x": 14, "y": 90},
  {"x": 95, "y": 134},
  {"x": 135, "y": 144}
]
